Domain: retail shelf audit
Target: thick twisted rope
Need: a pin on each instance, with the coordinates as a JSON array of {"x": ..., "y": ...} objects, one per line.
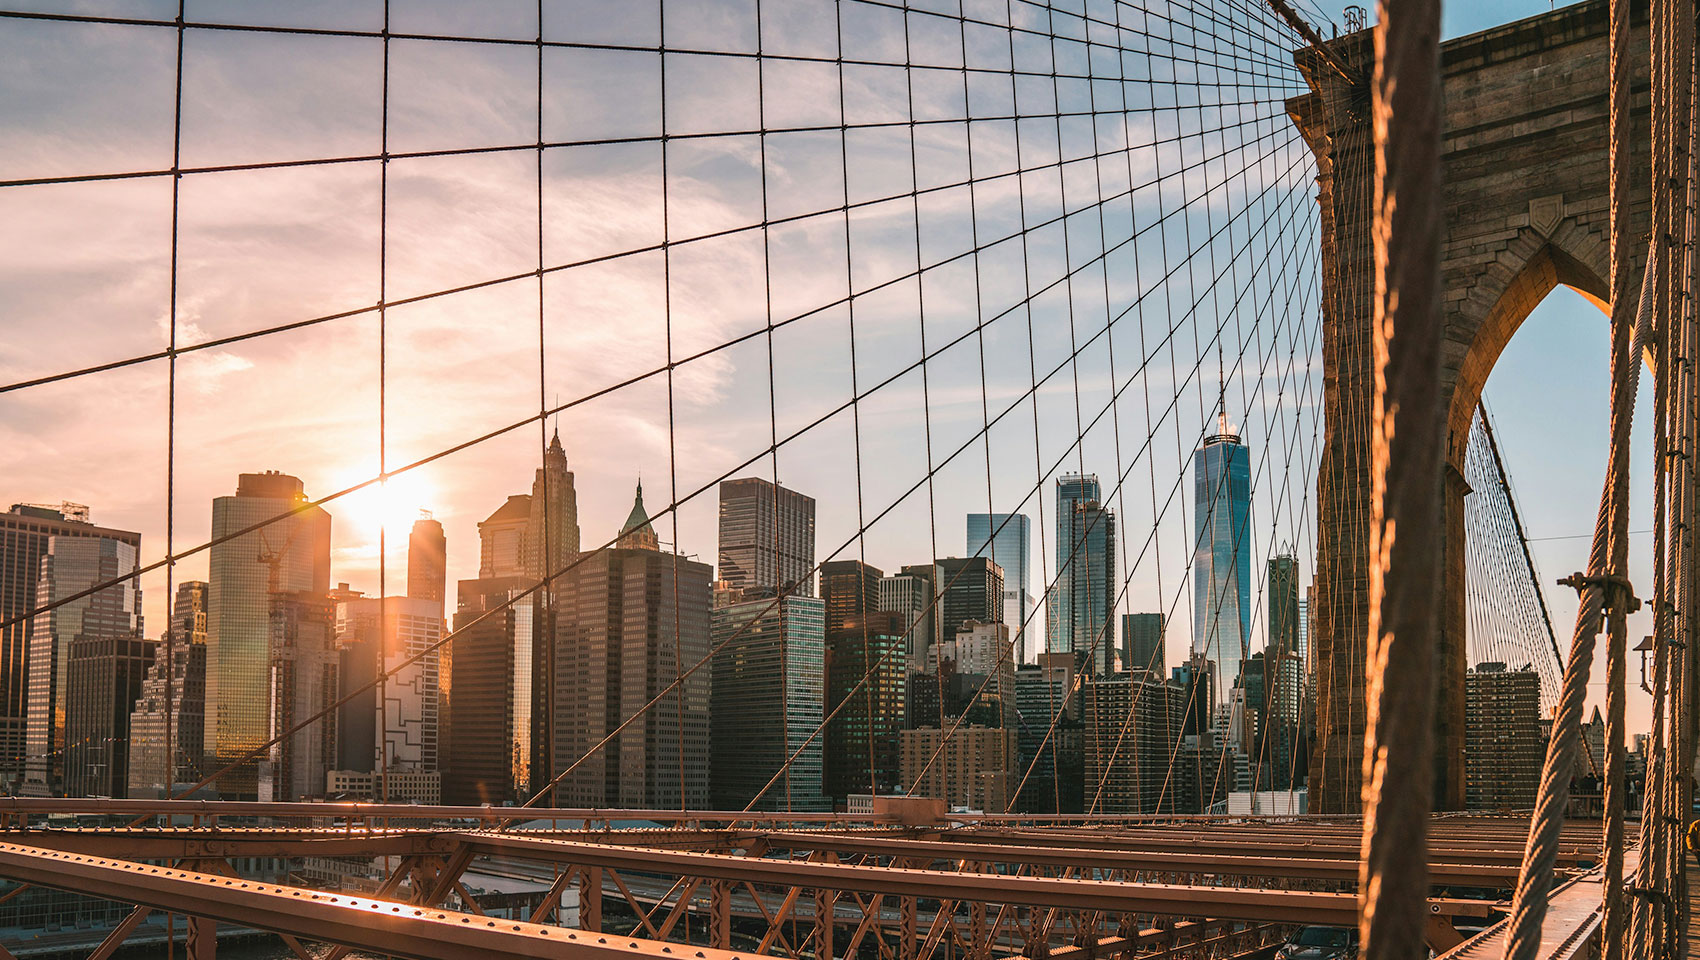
[
  {"x": 1613, "y": 942},
  {"x": 1534, "y": 881},
  {"x": 1408, "y": 446}
]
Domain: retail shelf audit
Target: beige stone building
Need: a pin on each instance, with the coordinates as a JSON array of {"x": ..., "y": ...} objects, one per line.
[{"x": 976, "y": 768}]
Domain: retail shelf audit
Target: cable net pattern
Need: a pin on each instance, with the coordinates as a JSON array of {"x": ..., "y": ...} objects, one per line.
[
  {"x": 1508, "y": 620},
  {"x": 914, "y": 260}
]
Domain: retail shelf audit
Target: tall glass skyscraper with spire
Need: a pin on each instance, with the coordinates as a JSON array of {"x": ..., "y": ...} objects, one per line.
[{"x": 1221, "y": 560}]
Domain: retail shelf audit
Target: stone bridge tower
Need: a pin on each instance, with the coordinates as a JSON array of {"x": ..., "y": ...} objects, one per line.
[{"x": 1525, "y": 207}]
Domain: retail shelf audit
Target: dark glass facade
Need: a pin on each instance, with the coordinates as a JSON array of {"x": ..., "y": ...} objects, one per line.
[
  {"x": 863, "y": 747},
  {"x": 767, "y": 537},
  {"x": 769, "y": 697},
  {"x": 1142, "y": 644}
]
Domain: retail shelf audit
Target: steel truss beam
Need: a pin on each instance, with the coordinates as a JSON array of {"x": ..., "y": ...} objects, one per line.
[
  {"x": 380, "y": 926},
  {"x": 1290, "y": 867},
  {"x": 1176, "y": 900}
]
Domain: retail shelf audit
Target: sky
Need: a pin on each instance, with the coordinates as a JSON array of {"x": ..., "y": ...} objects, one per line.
[{"x": 665, "y": 357}]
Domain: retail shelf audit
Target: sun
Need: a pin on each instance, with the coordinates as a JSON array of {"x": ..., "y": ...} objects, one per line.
[{"x": 390, "y": 506}]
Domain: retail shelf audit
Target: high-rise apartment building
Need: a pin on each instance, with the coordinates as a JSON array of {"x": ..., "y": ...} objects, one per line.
[
  {"x": 1132, "y": 724},
  {"x": 1049, "y": 735},
  {"x": 1007, "y": 539},
  {"x": 1142, "y": 644},
  {"x": 1503, "y": 752},
  {"x": 910, "y": 592},
  {"x": 490, "y": 701},
  {"x": 769, "y": 689},
  {"x": 427, "y": 562},
  {"x": 1222, "y": 547},
  {"x": 767, "y": 537},
  {"x": 24, "y": 531},
  {"x": 979, "y": 648},
  {"x": 103, "y": 679},
  {"x": 301, "y": 683},
  {"x": 630, "y": 621},
  {"x": 69, "y": 565},
  {"x": 970, "y": 590},
  {"x": 291, "y": 554},
  {"x": 405, "y": 707},
  {"x": 169, "y": 716},
  {"x": 1082, "y": 605},
  {"x": 866, "y": 671},
  {"x": 970, "y": 766}
]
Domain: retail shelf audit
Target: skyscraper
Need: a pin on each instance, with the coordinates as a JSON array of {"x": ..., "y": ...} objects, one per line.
[
  {"x": 490, "y": 702},
  {"x": 408, "y": 714},
  {"x": 638, "y": 533},
  {"x": 69, "y": 565},
  {"x": 970, "y": 589},
  {"x": 1502, "y": 737},
  {"x": 551, "y": 531},
  {"x": 1142, "y": 644},
  {"x": 289, "y": 555},
  {"x": 1005, "y": 538},
  {"x": 24, "y": 530},
  {"x": 501, "y": 539},
  {"x": 1083, "y": 602},
  {"x": 631, "y": 620},
  {"x": 1221, "y": 563},
  {"x": 301, "y": 682},
  {"x": 1132, "y": 725},
  {"x": 103, "y": 678},
  {"x": 767, "y": 537},
  {"x": 169, "y": 717},
  {"x": 866, "y": 671},
  {"x": 427, "y": 562},
  {"x": 851, "y": 589},
  {"x": 1050, "y": 735},
  {"x": 1283, "y": 658},
  {"x": 1059, "y": 608},
  {"x": 910, "y": 592},
  {"x": 769, "y": 694}
]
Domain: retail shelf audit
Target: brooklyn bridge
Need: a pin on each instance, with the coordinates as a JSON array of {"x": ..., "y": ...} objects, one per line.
[{"x": 920, "y": 258}]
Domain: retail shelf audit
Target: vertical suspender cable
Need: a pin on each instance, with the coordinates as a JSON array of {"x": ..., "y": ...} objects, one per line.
[
  {"x": 1622, "y": 318},
  {"x": 1605, "y": 588},
  {"x": 1408, "y": 448}
]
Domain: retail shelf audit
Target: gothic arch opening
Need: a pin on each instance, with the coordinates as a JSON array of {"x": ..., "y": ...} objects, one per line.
[{"x": 1542, "y": 273}]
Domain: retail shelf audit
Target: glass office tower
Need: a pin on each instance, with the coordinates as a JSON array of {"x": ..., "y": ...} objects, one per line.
[
  {"x": 1006, "y": 539},
  {"x": 290, "y": 555},
  {"x": 1221, "y": 562},
  {"x": 1079, "y": 609}
]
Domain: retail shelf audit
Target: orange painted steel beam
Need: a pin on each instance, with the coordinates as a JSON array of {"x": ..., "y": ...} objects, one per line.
[
  {"x": 380, "y": 926},
  {"x": 42, "y": 806}
]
